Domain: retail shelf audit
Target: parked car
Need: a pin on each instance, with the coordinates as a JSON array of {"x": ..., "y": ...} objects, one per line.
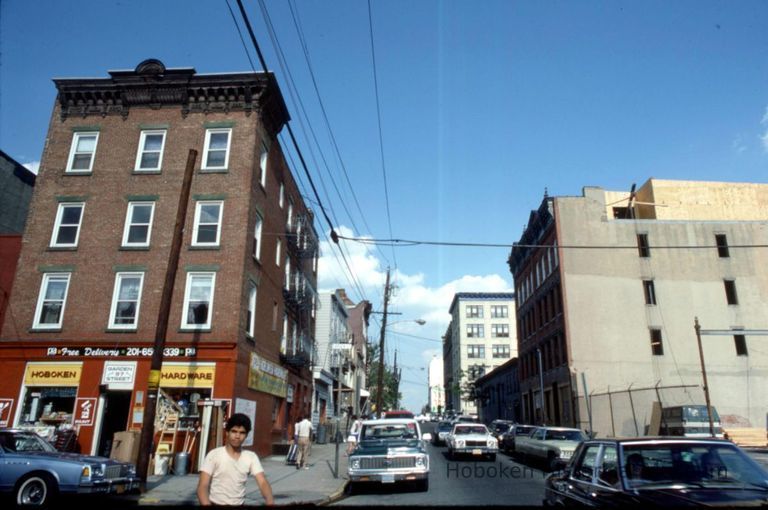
[
  {"x": 389, "y": 451},
  {"x": 553, "y": 446},
  {"x": 658, "y": 472},
  {"x": 34, "y": 472},
  {"x": 471, "y": 438},
  {"x": 441, "y": 432},
  {"x": 507, "y": 439},
  {"x": 498, "y": 427}
]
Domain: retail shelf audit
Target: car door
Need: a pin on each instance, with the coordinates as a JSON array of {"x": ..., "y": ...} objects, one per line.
[{"x": 583, "y": 474}]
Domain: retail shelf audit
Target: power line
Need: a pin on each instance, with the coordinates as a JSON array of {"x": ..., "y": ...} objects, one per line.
[
  {"x": 381, "y": 136},
  {"x": 411, "y": 242}
]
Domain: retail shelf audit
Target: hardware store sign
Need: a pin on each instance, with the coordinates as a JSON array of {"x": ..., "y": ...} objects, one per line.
[{"x": 267, "y": 377}]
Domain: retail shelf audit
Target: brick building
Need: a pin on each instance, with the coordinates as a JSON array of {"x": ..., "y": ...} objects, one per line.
[{"x": 96, "y": 250}]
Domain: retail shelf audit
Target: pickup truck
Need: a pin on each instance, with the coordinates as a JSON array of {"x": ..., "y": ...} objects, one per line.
[{"x": 553, "y": 446}]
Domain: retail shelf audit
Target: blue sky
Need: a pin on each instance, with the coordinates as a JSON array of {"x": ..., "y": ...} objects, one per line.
[{"x": 484, "y": 104}]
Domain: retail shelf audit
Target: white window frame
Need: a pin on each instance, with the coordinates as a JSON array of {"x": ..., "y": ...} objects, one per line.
[
  {"x": 278, "y": 249},
  {"x": 47, "y": 278},
  {"x": 57, "y": 224},
  {"x": 206, "y": 149},
  {"x": 263, "y": 159},
  {"x": 198, "y": 209},
  {"x": 119, "y": 277},
  {"x": 281, "y": 200},
  {"x": 289, "y": 221},
  {"x": 190, "y": 276},
  {"x": 73, "y": 152},
  {"x": 129, "y": 223},
  {"x": 257, "y": 237},
  {"x": 251, "y": 326},
  {"x": 142, "y": 150}
]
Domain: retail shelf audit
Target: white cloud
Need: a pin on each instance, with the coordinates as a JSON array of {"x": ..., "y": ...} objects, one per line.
[{"x": 32, "y": 166}]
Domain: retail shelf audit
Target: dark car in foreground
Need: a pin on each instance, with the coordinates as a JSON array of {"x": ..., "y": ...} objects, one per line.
[
  {"x": 658, "y": 472},
  {"x": 34, "y": 472}
]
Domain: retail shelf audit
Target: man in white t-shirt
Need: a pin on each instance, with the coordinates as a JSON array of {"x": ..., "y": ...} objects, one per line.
[
  {"x": 225, "y": 470},
  {"x": 303, "y": 434}
]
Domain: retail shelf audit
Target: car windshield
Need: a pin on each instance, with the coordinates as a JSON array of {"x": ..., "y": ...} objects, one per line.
[
  {"x": 565, "y": 435},
  {"x": 445, "y": 426},
  {"x": 523, "y": 430},
  {"x": 23, "y": 442},
  {"x": 394, "y": 431},
  {"x": 708, "y": 465},
  {"x": 478, "y": 429}
]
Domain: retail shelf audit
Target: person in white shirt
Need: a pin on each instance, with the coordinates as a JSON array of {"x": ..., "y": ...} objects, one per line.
[
  {"x": 303, "y": 433},
  {"x": 354, "y": 434},
  {"x": 225, "y": 470}
]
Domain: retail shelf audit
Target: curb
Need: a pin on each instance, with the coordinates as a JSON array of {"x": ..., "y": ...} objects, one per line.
[{"x": 336, "y": 496}]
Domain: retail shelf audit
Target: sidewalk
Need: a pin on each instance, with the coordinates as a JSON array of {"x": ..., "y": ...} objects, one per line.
[{"x": 290, "y": 486}]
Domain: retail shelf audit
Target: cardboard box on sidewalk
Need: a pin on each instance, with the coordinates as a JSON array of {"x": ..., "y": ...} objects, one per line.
[{"x": 125, "y": 446}]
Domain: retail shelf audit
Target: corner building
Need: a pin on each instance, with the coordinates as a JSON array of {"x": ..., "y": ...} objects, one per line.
[
  {"x": 609, "y": 284},
  {"x": 77, "y": 341}
]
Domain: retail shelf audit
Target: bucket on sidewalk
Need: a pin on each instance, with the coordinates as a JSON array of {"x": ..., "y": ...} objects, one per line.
[
  {"x": 161, "y": 464},
  {"x": 180, "y": 463}
]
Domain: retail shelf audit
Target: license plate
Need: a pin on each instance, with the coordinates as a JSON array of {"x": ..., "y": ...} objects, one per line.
[
  {"x": 388, "y": 478},
  {"x": 120, "y": 489},
  {"x": 477, "y": 452}
]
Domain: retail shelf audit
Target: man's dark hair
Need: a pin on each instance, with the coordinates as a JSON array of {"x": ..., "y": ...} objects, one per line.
[{"x": 239, "y": 420}]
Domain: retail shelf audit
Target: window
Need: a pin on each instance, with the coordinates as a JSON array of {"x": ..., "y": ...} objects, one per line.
[
  {"x": 475, "y": 371},
  {"x": 475, "y": 331},
  {"x": 608, "y": 473},
  {"x": 216, "y": 152},
  {"x": 281, "y": 200},
  {"x": 476, "y": 351},
  {"x": 251, "y": 317},
  {"x": 51, "y": 301},
  {"x": 82, "y": 152},
  {"x": 643, "y": 248},
  {"x": 475, "y": 311},
  {"x": 257, "y": 237},
  {"x": 278, "y": 249},
  {"x": 499, "y": 330},
  {"x": 274, "y": 316},
  {"x": 722, "y": 246},
  {"x": 126, "y": 299},
  {"x": 198, "y": 301},
  {"x": 730, "y": 292},
  {"x": 150, "y": 155},
  {"x": 207, "y": 224},
  {"x": 585, "y": 468},
  {"x": 656, "y": 345},
  {"x": 741, "y": 345},
  {"x": 138, "y": 223},
  {"x": 263, "y": 157},
  {"x": 289, "y": 222},
  {"x": 650, "y": 292},
  {"x": 287, "y": 282},
  {"x": 499, "y": 312},
  {"x": 500, "y": 351},
  {"x": 66, "y": 230}
]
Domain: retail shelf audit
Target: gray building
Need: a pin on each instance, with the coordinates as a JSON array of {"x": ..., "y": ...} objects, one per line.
[
  {"x": 498, "y": 394},
  {"x": 334, "y": 341},
  {"x": 16, "y": 185},
  {"x": 609, "y": 285}
]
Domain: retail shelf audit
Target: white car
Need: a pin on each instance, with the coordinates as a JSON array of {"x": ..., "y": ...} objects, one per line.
[
  {"x": 472, "y": 439},
  {"x": 552, "y": 445}
]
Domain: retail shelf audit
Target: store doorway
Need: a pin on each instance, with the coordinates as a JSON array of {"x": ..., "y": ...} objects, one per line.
[{"x": 117, "y": 405}]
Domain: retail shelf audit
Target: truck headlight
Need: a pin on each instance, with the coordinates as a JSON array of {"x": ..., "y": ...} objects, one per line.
[
  {"x": 355, "y": 463},
  {"x": 420, "y": 461}
]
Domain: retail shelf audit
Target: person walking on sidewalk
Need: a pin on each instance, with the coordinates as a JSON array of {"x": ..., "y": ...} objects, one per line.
[
  {"x": 303, "y": 432},
  {"x": 354, "y": 434},
  {"x": 225, "y": 470}
]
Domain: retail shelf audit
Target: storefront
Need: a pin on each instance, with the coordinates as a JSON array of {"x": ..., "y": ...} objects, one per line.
[{"x": 48, "y": 398}]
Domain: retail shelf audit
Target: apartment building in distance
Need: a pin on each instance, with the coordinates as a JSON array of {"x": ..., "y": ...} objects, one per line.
[
  {"x": 86, "y": 295},
  {"x": 609, "y": 285},
  {"x": 479, "y": 338},
  {"x": 436, "y": 398}
]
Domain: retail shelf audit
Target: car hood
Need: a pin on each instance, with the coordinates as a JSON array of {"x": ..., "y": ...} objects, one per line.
[
  {"x": 709, "y": 496},
  {"x": 69, "y": 457},
  {"x": 390, "y": 447},
  {"x": 473, "y": 437},
  {"x": 562, "y": 445}
]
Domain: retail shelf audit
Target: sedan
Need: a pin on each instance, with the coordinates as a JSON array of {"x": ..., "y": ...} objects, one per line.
[
  {"x": 658, "y": 472},
  {"x": 471, "y": 438},
  {"x": 34, "y": 472},
  {"x": 507, "y": 439},
  {"x": 441, "y": 432}
]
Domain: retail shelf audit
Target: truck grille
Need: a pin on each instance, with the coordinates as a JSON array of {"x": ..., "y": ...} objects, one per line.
[
  {"x": 383, "y": 463},
  {"x": 112, "y": 472}
]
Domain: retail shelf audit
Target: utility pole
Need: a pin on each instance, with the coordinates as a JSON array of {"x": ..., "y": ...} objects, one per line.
[
  {"x": 697, "y": 327},
  {"x": 380, "y": 393},
  {"x": 541, "y": 382},
  {"x": 153, "y": 383},
  {"x": 397, "y": 382}
]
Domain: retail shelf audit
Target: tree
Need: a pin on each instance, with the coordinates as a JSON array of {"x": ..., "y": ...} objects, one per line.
[{"x": 389, "y": 397}]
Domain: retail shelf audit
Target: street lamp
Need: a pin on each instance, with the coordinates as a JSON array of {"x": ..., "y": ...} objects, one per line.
[{"x": 384, "y": 325}]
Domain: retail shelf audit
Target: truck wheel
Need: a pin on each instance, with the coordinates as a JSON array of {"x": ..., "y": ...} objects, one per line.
[
  {"x": 423, "y": 485},
  {"x": 35, "y": 490}
]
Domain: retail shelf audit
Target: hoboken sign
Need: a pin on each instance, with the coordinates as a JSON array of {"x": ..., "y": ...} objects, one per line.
[{"x": 126, "y": 352}]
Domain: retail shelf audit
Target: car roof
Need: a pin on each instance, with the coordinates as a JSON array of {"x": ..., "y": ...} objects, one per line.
[
  {"x": 659, "y": 440},
  {"x": 557, "y": 428},
  {"x": 389, "y": 421}
]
